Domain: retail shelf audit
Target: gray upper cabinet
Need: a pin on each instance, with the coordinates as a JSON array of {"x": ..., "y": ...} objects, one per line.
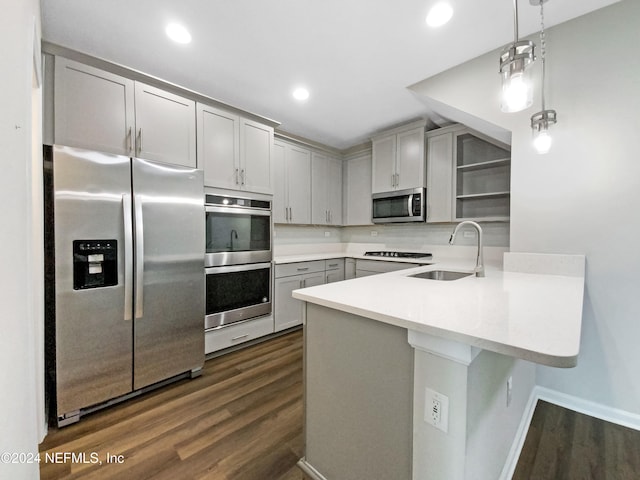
[
  {"x": 399, "y": 159},
  {"x": 439, "y": 176},
  {"x": 236, "y": 153},
  {"x": 292, "y": 184},
  {"x": 218, "y": 146},
  {"x": 383, "y": 178},
  {"x": 98, "y": 110},
  {"x": 256, "y": 156},
  {"x": 165, "y": 126},
  {"x": 357, "y": 190},
  {"x": 93, "y": 109},
  {"x": 326, "y": 189}
]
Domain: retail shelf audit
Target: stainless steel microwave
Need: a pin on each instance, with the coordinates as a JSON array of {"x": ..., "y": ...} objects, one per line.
[{"x": 399, "y": 206}]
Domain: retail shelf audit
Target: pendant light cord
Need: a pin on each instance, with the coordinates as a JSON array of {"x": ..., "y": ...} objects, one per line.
[{"x": 515, "y": 20}]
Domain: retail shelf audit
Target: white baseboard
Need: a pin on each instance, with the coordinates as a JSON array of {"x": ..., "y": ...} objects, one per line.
[
  {"x": 593, "y": 409},
  {"x": 521, "y": 435},
  {"x": 307, "y": 468}
]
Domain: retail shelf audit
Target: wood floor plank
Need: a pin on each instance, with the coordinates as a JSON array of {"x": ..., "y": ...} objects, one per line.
[
  {"x": 237, "y": 395},
  {"x": 566, "y": 445},
  {"x": 242, "y": 420}
]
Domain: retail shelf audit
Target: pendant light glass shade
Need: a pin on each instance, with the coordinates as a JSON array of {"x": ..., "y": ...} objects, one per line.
[
  {"x": 515, "y": 71},
  {"x": 540, "y": 123},
  {"x": 545, "y": 118}
]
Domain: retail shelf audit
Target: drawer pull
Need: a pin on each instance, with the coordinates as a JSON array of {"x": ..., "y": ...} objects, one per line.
[
  {"x": 239, "y": 337},
  {"x": 303, "y": 269}
]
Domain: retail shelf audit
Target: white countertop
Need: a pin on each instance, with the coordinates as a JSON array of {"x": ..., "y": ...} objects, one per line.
[{"x": 533, "y": 316}]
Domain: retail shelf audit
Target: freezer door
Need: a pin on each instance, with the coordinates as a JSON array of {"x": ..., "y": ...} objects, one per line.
[
  {"x": 93, "y": 326},
  {"x": 169, "y": 272}
]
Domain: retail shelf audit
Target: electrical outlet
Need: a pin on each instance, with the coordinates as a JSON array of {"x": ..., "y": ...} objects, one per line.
[
  {"x": 469, "y": 234},
  {"x": 509, "y": 390},
  {"x": 436, "y": 409},
  {"x": 374, "y": 233},
  {"x": 327, "y": 234}
]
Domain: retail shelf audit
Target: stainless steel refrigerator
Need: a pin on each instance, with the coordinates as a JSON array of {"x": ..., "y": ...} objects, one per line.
[{"x": 128, "y": 307}]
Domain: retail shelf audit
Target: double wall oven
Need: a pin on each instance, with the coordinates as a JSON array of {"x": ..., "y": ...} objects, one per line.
[{"x": 238, "y": 259}]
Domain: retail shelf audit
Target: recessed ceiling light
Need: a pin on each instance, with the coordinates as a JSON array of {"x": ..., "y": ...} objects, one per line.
[
  {"x": 178, "y": 33},
  {"x": 439, "y": 14},
  {"x": 301, "y": 94}
]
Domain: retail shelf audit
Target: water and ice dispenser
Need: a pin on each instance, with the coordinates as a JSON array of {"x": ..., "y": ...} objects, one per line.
[{"x": 95, "y": 263}]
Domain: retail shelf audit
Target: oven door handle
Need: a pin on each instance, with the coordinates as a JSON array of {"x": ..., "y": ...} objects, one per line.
[
  {"x": 237, "y": 268},
  {"x": 237, "y": 210}
]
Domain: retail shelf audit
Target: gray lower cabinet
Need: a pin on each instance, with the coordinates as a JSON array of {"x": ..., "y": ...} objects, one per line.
[
  {"x": 289, "y": 312},
  {"x": 334, "y": 270}
]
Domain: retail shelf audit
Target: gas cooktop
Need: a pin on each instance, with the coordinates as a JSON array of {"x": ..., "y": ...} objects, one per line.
[{"x": 398, "y": 254}]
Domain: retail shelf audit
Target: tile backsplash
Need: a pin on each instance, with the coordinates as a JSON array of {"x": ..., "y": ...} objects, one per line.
[{"x": 404, "y": 237}]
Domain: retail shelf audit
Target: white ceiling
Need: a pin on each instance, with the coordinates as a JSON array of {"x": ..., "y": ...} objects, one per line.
[{"x": 355, "y": 56}]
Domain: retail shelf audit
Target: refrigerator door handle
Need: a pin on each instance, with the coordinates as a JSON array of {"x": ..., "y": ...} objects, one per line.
[
  {"x": 139, "y": 257},
  {"x": 128, "y": 256}
]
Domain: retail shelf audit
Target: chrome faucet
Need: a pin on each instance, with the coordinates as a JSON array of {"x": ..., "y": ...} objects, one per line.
[{"x": 479, "y": 259}]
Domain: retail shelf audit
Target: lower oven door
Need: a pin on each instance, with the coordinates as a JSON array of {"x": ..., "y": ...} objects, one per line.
[{"x": 237, "y": 293}]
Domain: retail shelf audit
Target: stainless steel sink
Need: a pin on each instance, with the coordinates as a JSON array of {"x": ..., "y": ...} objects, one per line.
[{"x": 444, "y": 275}]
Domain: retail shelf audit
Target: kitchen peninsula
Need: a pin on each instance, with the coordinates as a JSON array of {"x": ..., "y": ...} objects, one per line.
[{"x": 408, "y": 377}]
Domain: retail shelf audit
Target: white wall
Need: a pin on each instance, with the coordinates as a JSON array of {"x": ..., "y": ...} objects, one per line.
[
  {"x": 21, "y": 287},
  {"x": 584, "y": 195}
]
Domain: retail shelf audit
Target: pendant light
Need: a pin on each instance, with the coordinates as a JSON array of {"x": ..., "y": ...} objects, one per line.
[
  {"x": 542, "y": 120},
  {"x": 515, "y": 71}
]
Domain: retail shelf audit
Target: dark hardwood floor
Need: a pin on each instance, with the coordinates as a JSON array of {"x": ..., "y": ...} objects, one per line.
[
  {"x": 565, "y": 445},
  {"x": 242, "y": 419}
]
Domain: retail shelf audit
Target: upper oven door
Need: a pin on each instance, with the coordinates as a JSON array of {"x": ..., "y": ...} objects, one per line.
[
  {"x": 236, "y": 235},
  {"x": 399, "y": 206}
]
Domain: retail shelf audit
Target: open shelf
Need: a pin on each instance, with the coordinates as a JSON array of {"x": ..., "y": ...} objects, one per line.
[
  {"x": 482, "y": 178},
  {"x": 483, "y": 195},
  {"x": 481, "y": 165}
]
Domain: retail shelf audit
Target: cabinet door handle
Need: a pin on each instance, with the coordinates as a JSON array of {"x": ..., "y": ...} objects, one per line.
[
  {"x": 140, "y": 141},
  {"x": 302, "y": 283},
  {"x": 242, "y": 177},
  {"x": 130, "y": 139},
  {"x": 290, "y": 214},
  {"x": 393, "y": 179},
  {"x": 237, "y": 177}
]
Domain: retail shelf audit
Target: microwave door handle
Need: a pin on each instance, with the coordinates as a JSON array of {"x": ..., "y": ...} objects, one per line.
[
  {"x": 409, "y": 203},
  {"x": 128, "y": 256},
  {"x": 139, "y": 257}
]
